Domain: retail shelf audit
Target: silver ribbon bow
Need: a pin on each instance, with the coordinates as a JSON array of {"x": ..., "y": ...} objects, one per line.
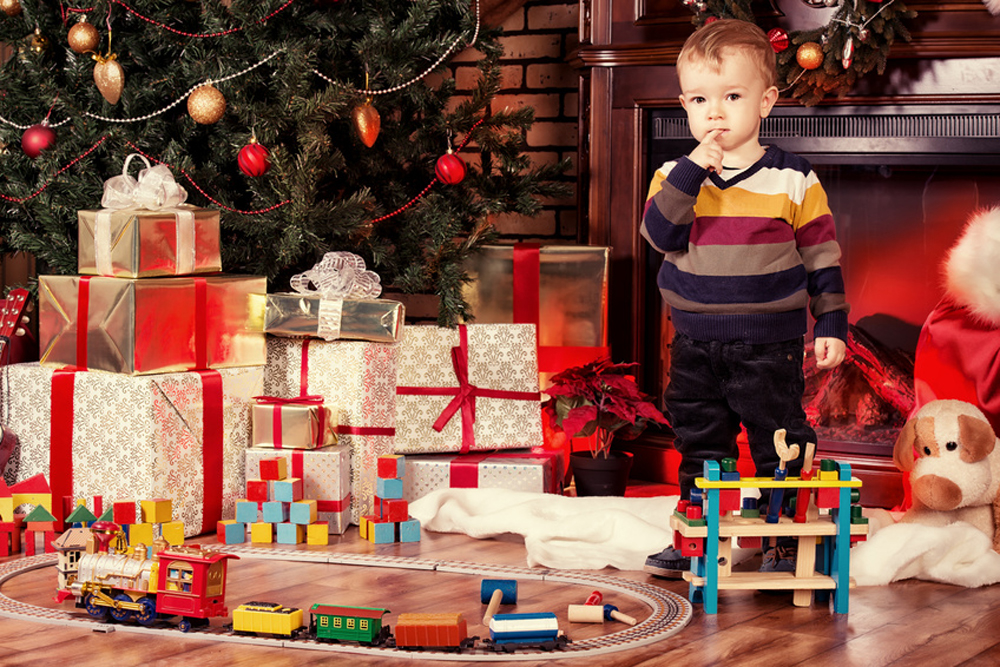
[
  {"x": 338, "y": 276},
  {"x": 154, "y": 190}
]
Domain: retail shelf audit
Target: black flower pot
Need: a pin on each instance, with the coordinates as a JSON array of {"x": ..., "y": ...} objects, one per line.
[{"x": 601, "y": 476}]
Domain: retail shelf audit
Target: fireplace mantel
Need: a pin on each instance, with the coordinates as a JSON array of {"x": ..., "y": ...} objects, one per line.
[{"x": 628, "y": 49}]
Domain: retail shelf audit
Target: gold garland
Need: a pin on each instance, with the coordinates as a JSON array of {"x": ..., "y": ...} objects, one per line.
[{"x": 827, "y": 61}]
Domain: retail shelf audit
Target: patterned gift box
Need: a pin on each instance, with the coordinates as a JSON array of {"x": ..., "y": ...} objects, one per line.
[
  {"x": 293, "y": 423},
  {"x": 151, "y": 325},
  {"x": 360, "y": 379},
  {"x": 179, "y": 436},
  {"x": 471, "y": 388},
  {"x": 136, "y": 243},
  {"x": 515, "y": 471},
  {"x": 326, "y": 477},
  {"x": 563, "y": 290}
]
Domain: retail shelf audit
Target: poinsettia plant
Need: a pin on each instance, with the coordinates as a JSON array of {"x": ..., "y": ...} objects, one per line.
[{"x": 600, "y": 397}]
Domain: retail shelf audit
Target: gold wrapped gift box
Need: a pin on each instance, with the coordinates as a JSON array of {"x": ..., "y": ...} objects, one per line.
[
  {"x": 291, "y": 425},
  {"x": 138, "y": 243},
  {"x": 151, "y": 325},
  {"x": 310, "y": 315}
]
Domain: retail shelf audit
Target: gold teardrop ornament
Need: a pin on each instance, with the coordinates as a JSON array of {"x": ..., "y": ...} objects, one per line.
[
  {"x": 367, "y": 123},
  {"x": 109, "y": 77}
]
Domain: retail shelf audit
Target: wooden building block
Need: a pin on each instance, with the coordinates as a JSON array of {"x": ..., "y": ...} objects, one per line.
[
  {"x": 156, "y": 510},
  {"x": 288, "y": 490},
  {"x": 274, "y": 468},
  {"x": 231, "y": 532},
  {"x": 259, "y": 490},
  {"x": 318, "y": 533},
  {"x": 388, "y": 488},
  {"x": 172, "y": 532},
  {"x": 262, "y": 533},
  {"x": 247, "y": 511},
  {"x": 123, "y": 512},
  {"x": 303, "y": 512},
  {"x": 290, "y": 533},
  {"x": 274, "y": 512},
  {"x": 391, "y": 466},
  {"x": 140, "y": 533},
  {"x": 408, "y": 531}
]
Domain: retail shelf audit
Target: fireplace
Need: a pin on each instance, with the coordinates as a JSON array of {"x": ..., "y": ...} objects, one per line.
[{"x": 902, "y": 180}]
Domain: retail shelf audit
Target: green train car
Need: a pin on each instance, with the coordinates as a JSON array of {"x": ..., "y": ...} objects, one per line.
[{"x": 342, "y": 623}]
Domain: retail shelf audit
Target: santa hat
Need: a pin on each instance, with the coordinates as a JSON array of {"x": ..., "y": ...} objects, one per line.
[{"x": 972, "y": 269}]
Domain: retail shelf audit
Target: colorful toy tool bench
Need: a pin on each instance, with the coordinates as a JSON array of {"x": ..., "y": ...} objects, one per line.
[{"x": 823, "y": 564}]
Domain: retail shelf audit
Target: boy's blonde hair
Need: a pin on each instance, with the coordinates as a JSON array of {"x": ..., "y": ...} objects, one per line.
[{"x": 718, "y": 39}]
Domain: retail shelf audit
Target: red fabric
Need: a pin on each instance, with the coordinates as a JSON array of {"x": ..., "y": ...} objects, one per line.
[
  {"x": 463, "y": 471},
  {"x": 958, "y": 357},
  {"x": 212, "y": 442},
  {"x": 61, "y": 436}
]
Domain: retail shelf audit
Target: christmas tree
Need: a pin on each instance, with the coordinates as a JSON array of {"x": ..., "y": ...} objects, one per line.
[{"x": 313, "y": 125}]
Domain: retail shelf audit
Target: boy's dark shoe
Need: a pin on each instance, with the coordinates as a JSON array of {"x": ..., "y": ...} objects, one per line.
[
  {"x": 780, "y": 558},
  {"x": 668, "y": 564}
]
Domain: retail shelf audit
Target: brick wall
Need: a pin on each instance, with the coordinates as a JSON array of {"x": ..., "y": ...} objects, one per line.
[{"x": 536, "y": 39}]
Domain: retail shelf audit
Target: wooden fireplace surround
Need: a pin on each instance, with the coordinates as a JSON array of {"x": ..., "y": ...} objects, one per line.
[{"x": 626, "y": 57}]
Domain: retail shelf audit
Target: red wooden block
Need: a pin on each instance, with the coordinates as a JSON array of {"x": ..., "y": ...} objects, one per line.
[
  {"x": 729, "y": 501},
  {"x": 827, "y": 498},
  {"x": 748, "y": 542},
  {"x": 10, "y": 537},
  {"x": 274, "y": 468},
  {"x": 258, "y": 490},
  {"x": 396, "y": 509},
  {"x": 123, "y": 512},
  {"x": 693, "y": 512},
  {"x": 389, "y": 466},
  {"x": 693, "y": 547},
  {"x": 98, "y": 505}
]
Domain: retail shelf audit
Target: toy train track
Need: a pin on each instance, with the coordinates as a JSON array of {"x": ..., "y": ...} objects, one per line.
[{"x": 670, "y": 612}]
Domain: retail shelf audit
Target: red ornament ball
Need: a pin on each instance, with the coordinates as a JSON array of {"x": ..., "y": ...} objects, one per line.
[
  {"x": 36, "y": 139},
  {"x": 450, "y": 169},
  {"x": 711, "y": 19},
  {"x": 253, "y": 159},
  {"x": 778, "y": 39}
]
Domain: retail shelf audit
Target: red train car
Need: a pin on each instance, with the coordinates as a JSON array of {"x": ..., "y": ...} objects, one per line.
[
  {"x": 439, "y": 631},
  {"x": 192, "y": 583}
]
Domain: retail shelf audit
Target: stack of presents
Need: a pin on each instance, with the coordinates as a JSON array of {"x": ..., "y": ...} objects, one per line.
[{"x": 160, "y": 376}]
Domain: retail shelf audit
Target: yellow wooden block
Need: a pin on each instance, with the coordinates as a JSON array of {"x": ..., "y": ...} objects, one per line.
[
  {"x": 261, "y": 533},
  {"x": 7, "y": 509},
  {"x": 318, "y": 533},
  {"x": 43, "y": 499},
  {"x": 158, "y": 510},
  {"x": 363, "y": 527},
  {"x": 172, "y": 532},
  {"x": 140, "y": 533},
  {"x": 829, "y": 475}
]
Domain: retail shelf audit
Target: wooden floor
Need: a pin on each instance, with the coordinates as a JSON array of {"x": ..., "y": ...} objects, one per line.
[{"x": 907, "y": 623}]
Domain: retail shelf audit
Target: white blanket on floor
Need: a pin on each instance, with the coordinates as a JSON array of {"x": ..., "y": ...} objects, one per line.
[
  {"x": 956, "y": 554},
  {"x": 559, "y": 532}
]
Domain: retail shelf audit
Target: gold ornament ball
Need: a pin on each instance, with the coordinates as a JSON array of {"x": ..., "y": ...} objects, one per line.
[
  {"x": 11, "y": 7},
  {"x": 809, "y": 55},
  {"x": 83, "y": 37},
  {"x": 206, "y": 105}
]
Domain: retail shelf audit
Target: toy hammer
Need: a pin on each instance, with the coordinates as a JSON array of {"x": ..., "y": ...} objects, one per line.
[{"x": 494, "y": 592}]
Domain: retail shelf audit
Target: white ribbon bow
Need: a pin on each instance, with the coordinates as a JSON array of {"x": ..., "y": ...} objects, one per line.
[
  {"x": 154, "y": 190},
  {"x": 338, "y": 276}
]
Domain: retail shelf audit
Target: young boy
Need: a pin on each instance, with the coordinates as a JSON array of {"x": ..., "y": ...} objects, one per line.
[{"x": 749, "y": 246}]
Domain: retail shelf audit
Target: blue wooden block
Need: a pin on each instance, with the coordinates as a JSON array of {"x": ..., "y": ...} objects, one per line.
[
  {"x": 409, "y": 530},
  {"x": 382, "y": 533},
  {"x": 389, "y": 488},
  {"x": 275, "y": 511},
  {"x": 302, "y": 512},
  {"x": 733, "y": 476},
  {"x": 288, "y": 490},
  {"x": 290, "y": 533},
  {"x": 247, "y": 511},
  {"x": 231, "y": 532}
]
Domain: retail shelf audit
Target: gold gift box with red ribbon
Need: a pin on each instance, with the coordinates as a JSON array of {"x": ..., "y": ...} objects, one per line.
[
  {"x": 293, "y": 423},
  {"x": 562, "y": 290},
  {"x": 151, "y": 325},
  {"x": 136, "y": 243}
]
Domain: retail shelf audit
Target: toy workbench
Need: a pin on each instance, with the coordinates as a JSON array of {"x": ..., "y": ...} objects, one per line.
[{"x": 706, "y": 534}]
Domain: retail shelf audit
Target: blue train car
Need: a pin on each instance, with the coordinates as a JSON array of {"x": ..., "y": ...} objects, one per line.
[{"x": 508, "y": 632}]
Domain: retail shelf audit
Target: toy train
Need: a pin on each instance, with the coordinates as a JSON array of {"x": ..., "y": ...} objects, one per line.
[
  {"x": 365, "y": 625},
  {"x": 148, "y": 584}
]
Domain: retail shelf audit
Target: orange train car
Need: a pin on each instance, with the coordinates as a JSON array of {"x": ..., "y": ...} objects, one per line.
[{"x": 438, "y": 631}]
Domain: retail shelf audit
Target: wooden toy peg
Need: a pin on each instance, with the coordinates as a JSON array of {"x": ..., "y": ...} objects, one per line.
[
  {"x": 595, "y": 598},
  {"x": 785, "y": 453},
  {"x": 494, "y": 592}
]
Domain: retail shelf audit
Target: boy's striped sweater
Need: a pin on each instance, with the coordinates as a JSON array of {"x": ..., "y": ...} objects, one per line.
[{"x": 745, "y": 258}]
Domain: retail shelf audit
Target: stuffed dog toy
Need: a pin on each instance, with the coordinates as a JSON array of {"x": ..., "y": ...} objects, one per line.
[{"x": 953, "y": 457}]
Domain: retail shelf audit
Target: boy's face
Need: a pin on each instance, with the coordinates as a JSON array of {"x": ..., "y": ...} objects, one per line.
[{"x": 727, "y": 102}]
